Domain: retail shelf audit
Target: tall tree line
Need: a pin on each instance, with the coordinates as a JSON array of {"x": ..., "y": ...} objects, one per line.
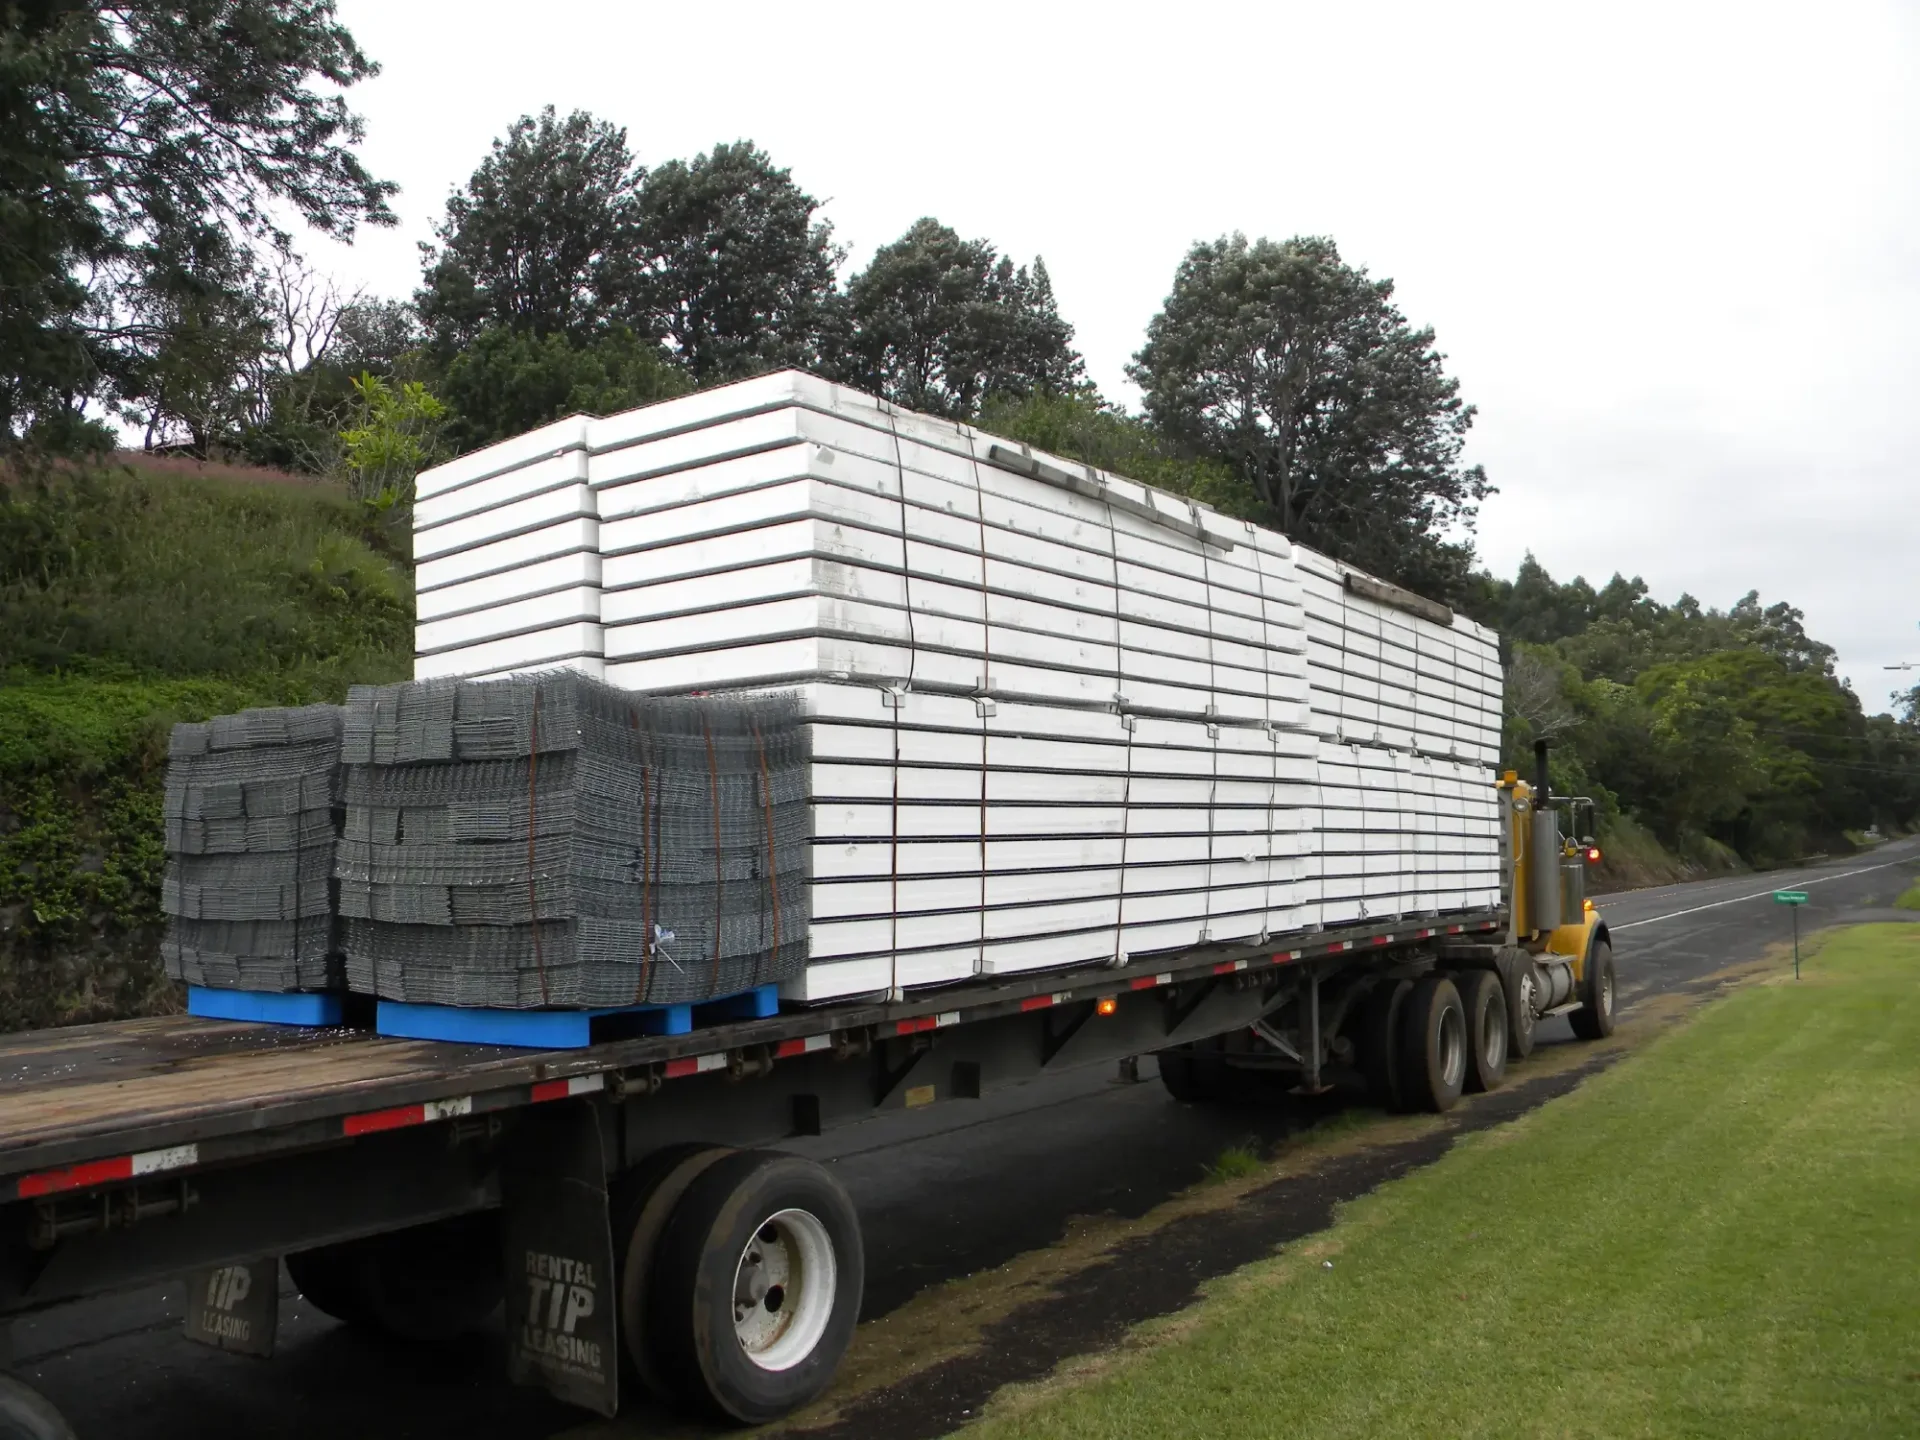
[{"x": 156, "y": 159}]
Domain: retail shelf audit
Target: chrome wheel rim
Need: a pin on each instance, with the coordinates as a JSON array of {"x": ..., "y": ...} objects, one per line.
[
  {"x": 1453, "y": 1048},
  {"x": 1493, "y": 1037},
  {"x": 783, "y": 1289}
]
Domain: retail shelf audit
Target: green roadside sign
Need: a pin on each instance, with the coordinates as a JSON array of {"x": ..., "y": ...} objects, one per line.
[{"x": 1793, "y": 899}]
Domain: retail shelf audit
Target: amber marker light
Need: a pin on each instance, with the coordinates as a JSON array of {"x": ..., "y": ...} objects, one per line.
[{"x": 1106, "y": 1005}]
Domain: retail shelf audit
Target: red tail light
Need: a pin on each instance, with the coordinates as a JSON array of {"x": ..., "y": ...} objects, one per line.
[{"x": 1593, "y": 855}]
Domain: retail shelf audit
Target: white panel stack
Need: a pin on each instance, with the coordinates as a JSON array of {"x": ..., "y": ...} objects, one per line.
[
  {"x": 1382, "y": 676},
  {"x": 506, "y": 545},
  {"x": 1058, "y": 717}
]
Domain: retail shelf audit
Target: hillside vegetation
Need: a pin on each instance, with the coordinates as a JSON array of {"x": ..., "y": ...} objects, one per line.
[
  {"x": 1724, "y": 736},
  {"x": 133, "y": 596}
]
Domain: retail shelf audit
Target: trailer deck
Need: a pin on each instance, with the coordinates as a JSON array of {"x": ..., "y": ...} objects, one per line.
[{"x": 96, "y": 1104}]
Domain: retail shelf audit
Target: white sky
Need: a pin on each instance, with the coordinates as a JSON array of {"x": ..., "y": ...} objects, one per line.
[{"x": 1670, "y": 250}]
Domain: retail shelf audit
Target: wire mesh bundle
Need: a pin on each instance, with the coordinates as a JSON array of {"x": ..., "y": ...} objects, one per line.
[
  {"x": 251, "y": 819},
  {"x": 553, "y": 841}
]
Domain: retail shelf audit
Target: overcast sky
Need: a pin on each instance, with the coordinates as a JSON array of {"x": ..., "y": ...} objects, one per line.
[{"x": 1670, "y": 250}]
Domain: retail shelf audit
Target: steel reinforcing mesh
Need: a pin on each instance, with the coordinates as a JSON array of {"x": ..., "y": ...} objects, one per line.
[
  {"x": 251, "y": 815},
  {"x": 551, "y": 840}
]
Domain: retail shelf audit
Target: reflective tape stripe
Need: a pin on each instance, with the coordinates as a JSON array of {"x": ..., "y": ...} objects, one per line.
[
  {"x": 695, "y": 1065},
  {"x": 401, "y": 1116},
  {"x": 789, "y": 1048},
  {"x": 566, "y": 1089},
  {"x": 101, "y": 1172}
]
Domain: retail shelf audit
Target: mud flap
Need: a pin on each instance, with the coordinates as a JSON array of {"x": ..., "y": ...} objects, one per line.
[
  {"x": 562, "y": 1309},
  {"x": 235, "y": 1307}
]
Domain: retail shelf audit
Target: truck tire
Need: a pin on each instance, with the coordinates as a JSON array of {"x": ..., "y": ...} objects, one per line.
[
  {"x": 26, "y": 1414},
  {"x": 1433, "y": 1046},
  {"x": 1486, "y": 1006},
  {"x": 1594, "y": 1019},
  {"x": 425, "y": 1283},
  {"x": 1192, "y": 1078},
  {"x": 643, "y": 1202},
  {"x": 1378, "y": 1042},
  {"x": 1517, "y": 983},
  {"x": 756, "y": 1286}
]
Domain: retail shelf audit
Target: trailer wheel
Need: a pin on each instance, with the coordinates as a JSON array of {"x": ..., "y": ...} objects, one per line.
[
  {"x": 26, "y": 1414},
  {"x": 756, "y": 1286},
  {"x": 1486, "y": 1007},
  {"x": 643, "y": 1202},
  {"x": 1379, "y": 1042},
  {"x": 1594, "y": 1019},
  {"x": 424, "y": 1283},
  {"x": 1192, "y": 1078},
  {"x": 1433, "y": 1045}
]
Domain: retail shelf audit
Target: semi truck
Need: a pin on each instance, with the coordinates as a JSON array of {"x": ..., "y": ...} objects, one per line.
[{"x": 628, "y": 1202}]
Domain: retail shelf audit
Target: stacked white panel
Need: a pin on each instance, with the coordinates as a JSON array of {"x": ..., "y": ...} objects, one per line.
[
  {"x": 1060, "y": 718},
  {"x": 1382, "y": 676},
  {"x": 507, "y": 559},
  {"x": 782, "y": 547},
  {"x": 955, "y": 837}
]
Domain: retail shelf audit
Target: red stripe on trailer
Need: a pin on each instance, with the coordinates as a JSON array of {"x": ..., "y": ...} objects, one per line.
[
  {"x": 101, "y": 1172},
  {"x": 1455, "y": 929},
  {"x": 566, "y": 1089},
  {"x": 1145, "y": 982},
  {"x": 1338, "y": 946},
  {"x": 695, "y": 1065},
  {"x": 915, "y": 1025},
  {"x": 401, "y": 1116},
  {"x": 79, "y": 1177},
  {"x": 787, "y": 1049},
  {"x": 1383, "y": 939},
  {"x": 1036, "y": 1002}
]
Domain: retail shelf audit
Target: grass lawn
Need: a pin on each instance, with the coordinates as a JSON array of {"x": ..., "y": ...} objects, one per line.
[
  {"x": 1718, "y": 1237},
  {"x": 1909, "y": 899}
]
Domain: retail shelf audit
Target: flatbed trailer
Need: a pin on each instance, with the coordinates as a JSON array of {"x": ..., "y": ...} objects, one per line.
[{"x": 411, "y": 1185}]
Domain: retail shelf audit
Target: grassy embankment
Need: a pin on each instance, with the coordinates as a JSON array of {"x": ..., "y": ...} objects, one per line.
[
  {"x": 1714, "y": 1238},
  {"x": 129, "y": 599}
]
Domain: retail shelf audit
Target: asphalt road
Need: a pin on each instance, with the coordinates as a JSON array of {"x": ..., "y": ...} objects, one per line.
[{"x": 946, "y": 1192}]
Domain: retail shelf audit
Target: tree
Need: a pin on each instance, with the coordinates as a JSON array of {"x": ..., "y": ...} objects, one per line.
[
  {"x": 543, "y": 237},
  {"x": 939, "y": 324},
  {"x": 1298, "y": 371},
  {"x": 130, "y": 132},
  {"x": 395, "y": 435},
  {"x": 1079, "y": 425},
  {"x": 201, "y": 306},
  {"x": 738, "y": 274},
  {"x": 509, "y": 381}
]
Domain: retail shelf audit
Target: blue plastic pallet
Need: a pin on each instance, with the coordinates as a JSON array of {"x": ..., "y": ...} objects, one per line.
[
  {"x": 300, "y": 1008},
  {"x": 568, "y": 1029}
]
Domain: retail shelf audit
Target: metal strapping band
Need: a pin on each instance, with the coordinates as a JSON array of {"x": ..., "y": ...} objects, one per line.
[
  {"x": 719, "y": 872},
  {"x": 533, "y": 893},
  {"x": 773, "y": 872},
  {"x": 644, "y": 986}
]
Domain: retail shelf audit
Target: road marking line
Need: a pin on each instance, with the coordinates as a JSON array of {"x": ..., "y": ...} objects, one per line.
[{"x": 1758, "y": 894}]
